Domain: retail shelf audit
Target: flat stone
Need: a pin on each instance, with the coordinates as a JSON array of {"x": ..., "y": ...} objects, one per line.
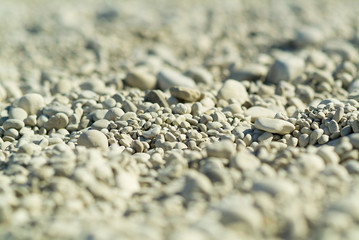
[
  {"x": 140, "y": 79},
  {"x": 185, "y": 94},
  {"x": 93, "y": 139},
  {"x": 285, "y": 68},
  {"x": 257, "y": 112},
  {"x": 233, "y": 89},
  {"x": 274, "y": 125},
  {"x": 169, "y": 78}
]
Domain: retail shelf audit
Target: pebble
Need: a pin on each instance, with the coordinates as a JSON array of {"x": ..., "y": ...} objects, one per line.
[
  {"x": 257, "y": 112},
  {"x": 308, "y": 35},
  {"x": 140, "y": 79},
  {"x": 275, "y": 187},
  {"x": 200, "y": 75},
  {"x": 168, "y": 78},
  {"x": 185, "y": 94},
  {"x": 17, "y": 113},
  {"x": 156, "y": 96},
  {"x": 285, "y": 68},
  {"x": 221, "y": 149},
  {"x": 31, "y": 103},
  {"x": 245, "y": 161},
  {"x": 274, "y": 125},
  {"x": 233, "y": 89},
  {"x": 93, "y": 139},
  {"x": 13, "y": 123},
  {"x": 250, "y": 72},
  {"x": 57, "y": 121},
  {"x": 152, "y": 132}
]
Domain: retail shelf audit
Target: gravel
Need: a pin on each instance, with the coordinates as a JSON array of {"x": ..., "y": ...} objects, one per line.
[{"x": 179, "y": 120}]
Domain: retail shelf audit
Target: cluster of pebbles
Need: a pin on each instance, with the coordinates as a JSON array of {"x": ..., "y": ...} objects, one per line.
[{"x": 179, "y": 120}]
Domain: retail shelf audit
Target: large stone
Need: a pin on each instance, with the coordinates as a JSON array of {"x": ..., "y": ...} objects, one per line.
[{"x": 285, "y": 68}]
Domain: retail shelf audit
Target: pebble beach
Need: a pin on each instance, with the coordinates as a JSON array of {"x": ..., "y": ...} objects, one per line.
[{"x": 179, "y": 120}]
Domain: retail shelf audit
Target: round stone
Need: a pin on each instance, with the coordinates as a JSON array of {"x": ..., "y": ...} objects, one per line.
[
  {"x": 93, "y": 139},
  {"x": 31, "y": 103},
  {"x": 17, "y": 113}
]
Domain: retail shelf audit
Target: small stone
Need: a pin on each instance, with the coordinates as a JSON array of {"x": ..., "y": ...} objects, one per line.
[
  {"x": 265, "y": 137},
  {"x": 140, "y": 79},
  {"x": 185, "y": 94},
  {"x": 93, "y": 139},
  {"x": 322, "y": 77},
  {"x": 285, "y": 68},
  {"x": 152, "y": 132},
  {"x": 17, "y": 113},
  {"x": 233, "y": 89},
  {"x": 30, "y": 121},
  {"x": 328, "y": 154},
  {"x": 221, "y": 149},
  {"x": 352, "y": 166},
  {"x": 257, "y": 112},
  {"x": 354, "y": 140},
  {"x": 200, "y": 75},
  {"x": 170, "y": 78},
  {"x": 157, "y": 96},
  {"x": 275, "y": 187},
  {"x": 13, "y": 123},
  {"x": 303, "y": 140},
  {"x": 315, "y": 135},
  {"x": 310, "y": 164},
  {"x": 274, "y": 125},
  {"x": 114, "y": 114},
  {"x": 323, "y": 139},
  {"x": 308, "y": 36},
  {"x": 343, "y": 48},
  {"x": 245, "y": 161},
  {"x": 31, "y": 103},
  {"x": 250, "y": 72},
  {"x": 57, "y": 121},
  {"x": 100, "y": 124}
]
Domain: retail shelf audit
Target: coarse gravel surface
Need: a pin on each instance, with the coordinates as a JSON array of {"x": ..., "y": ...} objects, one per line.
[{"x": 179, "y": 120}]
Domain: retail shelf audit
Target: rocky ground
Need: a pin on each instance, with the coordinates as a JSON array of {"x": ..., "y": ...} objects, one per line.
[{"x": 179, "y": 120}]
